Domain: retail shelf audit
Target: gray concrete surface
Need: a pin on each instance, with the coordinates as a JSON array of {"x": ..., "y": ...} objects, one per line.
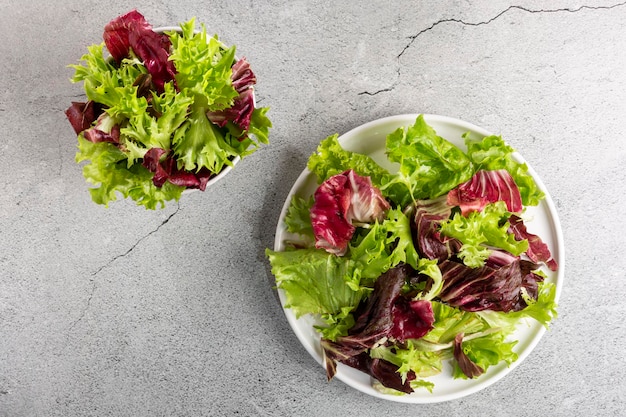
[{"x": 128, "y": 312}]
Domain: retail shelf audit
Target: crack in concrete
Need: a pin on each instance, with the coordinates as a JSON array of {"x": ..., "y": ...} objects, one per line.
[
  {"x": 111, "y": 261},
  {"x": 384, "y": 90},
  {"x": 413, "y": 38}
]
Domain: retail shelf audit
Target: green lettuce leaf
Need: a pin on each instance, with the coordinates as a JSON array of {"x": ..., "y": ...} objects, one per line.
[
  {"x": 145, "y": 131},
  {"x": 450, "y": 321},
  {"x": 492, "y": 153},
  {"x": 544, "y": 310},
  {"x": 429, "y": 165},
  {"x": 201, "y": 144},
  {"x": 314, "y": 281},
  {"x": 376, "y": 249},
  {"x": 485, "y": 351},
  {"x": 109, "y": 85},
  {"x": 203, "y": 74},
  {"x": 298, "y": 217},
  {"x": 108, "y": 170},
  {"x": 259, "y": 128},
  {"x": 410, "y": 358},
  {"x": 336, "y": 325},
  {"x": 203, "y": 66},
  {"x": 482, "y": 229},
  {"x": 331, "y": 159}
]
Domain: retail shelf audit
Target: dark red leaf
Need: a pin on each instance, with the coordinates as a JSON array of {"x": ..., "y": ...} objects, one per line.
[
  {"x": 96, "y": 135},
  {"x": 239, "y": 113},
  {"x": 337, "y": 202},
  {"x": 373, "y": 319},
  {"x": 496, "y": 286},
  {"x": 81, "y": 115},
  {"x": 184, "y": 179},
  {"x": 412, "y": 319},
  {"x": 204, "y": 175},
  {"x": 383, "y": 371},
  {"x": 153, "y": 49},
  {"x": 117, "y": 33},
  {"x": 102, "y": 131},
  {"x": 132, "y": 31},
  {"x": 164, "y": 167},
  {"x": 537, "y": 250},
  {"x": 242, "y": 77},
  {"x": 486, "y": 187},
  {"x": 430, "y": 243},
  {"x": 385, "y": 313},
  {"x": 469, "y": 368},
  {"x": 152, "y": 162},
  {"x": 329, "y": 212}
]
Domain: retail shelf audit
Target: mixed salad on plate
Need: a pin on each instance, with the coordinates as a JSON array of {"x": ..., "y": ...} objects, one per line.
[
  {"x": 407, "y": 270},
  {"x": 165, "y": 111}
]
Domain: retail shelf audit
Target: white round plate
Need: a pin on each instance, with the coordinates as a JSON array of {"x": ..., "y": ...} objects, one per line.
[{"x": 370, "y": 139}]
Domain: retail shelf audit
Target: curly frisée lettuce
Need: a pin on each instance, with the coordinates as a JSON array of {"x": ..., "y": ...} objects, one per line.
[
  {"x": 164, "y": 112},
  {"x": 442, "y": 269}
]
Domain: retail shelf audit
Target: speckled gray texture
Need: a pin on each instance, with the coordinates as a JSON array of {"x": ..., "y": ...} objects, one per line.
[{"x": 128, "y": 312}]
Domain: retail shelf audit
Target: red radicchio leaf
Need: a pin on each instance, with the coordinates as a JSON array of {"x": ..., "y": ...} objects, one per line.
[
  {"x": 469, "y": 368},
  {"x": 132, "y": 31},
  {"x": 366, "y": 203},
  {"x": 411, "y": 319},
  {"x": 486, "y": 187},
  {"x": 242, "y": 76},
  {"x": 537, "y": 250},
  {"x": 373, "y": 320},
  {"x": 383, "y": 371},
  {"x": 337, "y": 202},
  {"x": 328, "y": 215},
  {"x": 97, "y": 134},
  {"x": 430, "y": 243},
  {"x": 496, "y": 286},
  {"x": 385, "y": 313},
  {"x": 81, "y": 115},
  {"x": 166, "y": 170},
  {"x": 152, "y": 162},
  {"x": 240, "y": 113},
  {"x": 117, "y": 32}
]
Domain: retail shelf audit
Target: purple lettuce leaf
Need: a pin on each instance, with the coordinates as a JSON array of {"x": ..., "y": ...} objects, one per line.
[
  {"x": 132, "y": 32},
  {"x": 537, "y": 250},
  {"x": 105, "y": 130},
  {"x": 429, "y": 242},
  {"x": 386, "y": 313},
  {"x": 486, "y": 187},
  {"x": 163, "y": 165},
  {"x": 469, "y": 368},
  {"x": 340, "y": 200},
  {"x": 412, "y": 319},
  {"x": 82, "y": 115},
  {"x": 496, "y": 286},
  {"x": 373, "y": 318},
  {"x": 383, "y": 371},
  {"x": 243, "y": 78},
  {"x": 240, "y": 113}
]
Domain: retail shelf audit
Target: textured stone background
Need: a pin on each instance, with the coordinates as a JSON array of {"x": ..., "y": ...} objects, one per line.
[{"x": 128, "y": 312}]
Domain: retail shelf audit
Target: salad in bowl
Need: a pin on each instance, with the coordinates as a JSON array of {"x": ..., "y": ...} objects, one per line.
[{"x": 166, "y": 110}]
